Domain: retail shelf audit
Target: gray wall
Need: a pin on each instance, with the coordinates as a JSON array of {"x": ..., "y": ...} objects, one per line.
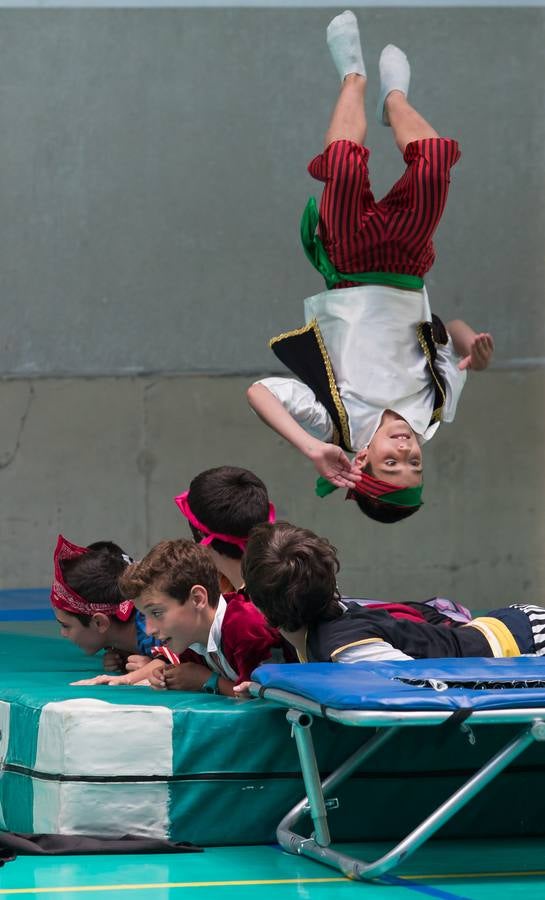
[
  {"x": 102, "y": 458},
  {"x": 152, "y": 176}
]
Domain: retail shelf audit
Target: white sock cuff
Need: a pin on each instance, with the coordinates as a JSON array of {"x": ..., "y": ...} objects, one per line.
[
  {"x": 343, "y": 40},
  {"x": 395, "y": 75}
]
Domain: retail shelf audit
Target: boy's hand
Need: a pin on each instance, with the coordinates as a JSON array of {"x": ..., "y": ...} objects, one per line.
[
  {"x": 186, "y": 677},
  {"x": 157, "y": 678},
  {"x": 104, "y": 679},
  {"x": 135, "y": 661},
  {"x": 480, "y": 353},
  {"x": 331, "y": 462},
  {"x": 241, "y": 690},
  {"x": 113, "y": 661}
]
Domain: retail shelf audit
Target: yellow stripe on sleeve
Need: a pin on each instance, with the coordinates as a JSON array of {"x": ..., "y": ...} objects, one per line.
[
  {"x": 356, "y": 644},
  {"x": 502, "y": 643}
]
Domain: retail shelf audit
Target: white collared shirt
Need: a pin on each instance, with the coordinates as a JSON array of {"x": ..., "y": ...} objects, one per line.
[
  {"x": 212, "y": 652},
  {"x": 371, "y": 339}
]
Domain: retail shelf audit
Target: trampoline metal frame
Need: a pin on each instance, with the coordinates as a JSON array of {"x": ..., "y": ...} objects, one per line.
[{"x": 318, "y": 846}]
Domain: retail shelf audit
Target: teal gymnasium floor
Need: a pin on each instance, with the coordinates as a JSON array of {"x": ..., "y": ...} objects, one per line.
[{"x": 452, "y": 870}]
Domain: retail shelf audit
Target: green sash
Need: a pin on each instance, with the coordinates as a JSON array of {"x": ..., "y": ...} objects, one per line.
[{"x": 317, "y": 255}]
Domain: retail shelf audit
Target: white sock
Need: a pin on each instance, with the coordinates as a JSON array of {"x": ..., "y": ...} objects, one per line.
[
  {"x": 395, "y": 75},
  {"x": 343, "y": 40}
]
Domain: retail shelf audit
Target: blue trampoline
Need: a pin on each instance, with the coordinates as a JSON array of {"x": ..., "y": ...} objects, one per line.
[{"x": 389, "y": 696}]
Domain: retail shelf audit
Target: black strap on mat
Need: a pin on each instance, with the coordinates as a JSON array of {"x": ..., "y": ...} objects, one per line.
[
  {"x": 14, "y": 843},
  {"x": 457, "y": 718}
]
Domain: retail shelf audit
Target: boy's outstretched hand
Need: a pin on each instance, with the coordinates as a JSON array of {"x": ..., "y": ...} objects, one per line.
[
  {"x": 481, "y": 349},
  {"x": 187, "y": 676},
  {"x": 140, "y": 676},
  {"x": 241, "y": 691},
  {"x": 333, "y": 463},
  {"x": 104, "y": 679},
  {"x": 136, "y": 661}
]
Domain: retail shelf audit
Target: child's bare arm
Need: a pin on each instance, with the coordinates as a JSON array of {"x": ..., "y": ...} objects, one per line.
[
  {"x": 135, "y": 677},
  {"x": 273, "y": 413},
  {"x": 329, "y": 460},
  {"x": 143, "y": 673},
  {"x": 136, "y": 661},
  {"x": 476, "y": 349}
]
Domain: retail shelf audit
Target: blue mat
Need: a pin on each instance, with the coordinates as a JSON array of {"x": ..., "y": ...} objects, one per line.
[
  {"x": 398, "y": 685},
  {"x": 25, "y": 605}
]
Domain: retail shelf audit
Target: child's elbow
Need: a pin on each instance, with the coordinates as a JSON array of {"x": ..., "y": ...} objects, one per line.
[{"x": 253, "y": 393}]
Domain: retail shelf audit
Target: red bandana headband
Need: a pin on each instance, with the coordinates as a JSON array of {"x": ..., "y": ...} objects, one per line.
[
  {"x": 369, "y": 486},
  {"x": 63, "y": 597},
  {"x": 183, "y": 505},
  {"x": 372, "y": 487}
]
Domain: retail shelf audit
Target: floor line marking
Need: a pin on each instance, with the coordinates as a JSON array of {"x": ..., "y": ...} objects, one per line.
[
  {"x": 440, "y": 875},
  {"x": 169, "y": 884},
  {"x": 428, "y": 890},
  {"x": 256, "y": 882}
]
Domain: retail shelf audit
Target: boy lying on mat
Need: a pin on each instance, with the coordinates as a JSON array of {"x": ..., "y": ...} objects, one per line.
[
  {"x": 291, "y": 576},
  {"x": 90, "y": 610},
  {"x": 176, "y": 588}
]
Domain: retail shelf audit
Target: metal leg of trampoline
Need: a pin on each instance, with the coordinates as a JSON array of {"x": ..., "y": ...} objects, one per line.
[
  {"x": 317, "y": 846},
  {"x": 301, "y": 724}
]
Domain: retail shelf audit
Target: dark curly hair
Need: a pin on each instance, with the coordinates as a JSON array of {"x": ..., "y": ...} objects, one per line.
[
  {"x": 290, "y": 574},
  {"x": 172, "y": 567}
]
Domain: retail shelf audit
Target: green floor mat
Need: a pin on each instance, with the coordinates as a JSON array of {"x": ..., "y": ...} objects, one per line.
[{"x": 214, "y": 770}]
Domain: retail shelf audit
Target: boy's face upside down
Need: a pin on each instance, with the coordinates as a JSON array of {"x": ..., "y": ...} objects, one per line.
[{"x": 393, "y": 453}]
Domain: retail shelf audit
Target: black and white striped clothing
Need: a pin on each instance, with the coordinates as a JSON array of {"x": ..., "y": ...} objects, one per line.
[{"x": 536, "y": 616}]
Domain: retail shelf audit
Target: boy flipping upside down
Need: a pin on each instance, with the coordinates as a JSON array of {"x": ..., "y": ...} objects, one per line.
[{"x": 377, "y": 372}]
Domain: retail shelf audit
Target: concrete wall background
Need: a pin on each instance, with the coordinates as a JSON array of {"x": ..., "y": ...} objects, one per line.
[
  {"x": 152, "y": 178},
  {"x": 102, "y": 458}
]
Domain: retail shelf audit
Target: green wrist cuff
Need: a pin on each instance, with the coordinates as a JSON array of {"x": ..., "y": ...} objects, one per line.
[{"x": 211, "y": 686}]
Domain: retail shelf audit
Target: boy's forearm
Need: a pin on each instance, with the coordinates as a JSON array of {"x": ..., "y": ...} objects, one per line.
[
  {"x": 462, "y": 335},
  {"x": 143, "y": 673},
  {"x": 225, "y": 687},
  {"x": 270, "y": 410}
]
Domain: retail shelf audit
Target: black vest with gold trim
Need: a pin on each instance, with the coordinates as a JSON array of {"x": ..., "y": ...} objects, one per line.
[{"x": 304, "y": 352}]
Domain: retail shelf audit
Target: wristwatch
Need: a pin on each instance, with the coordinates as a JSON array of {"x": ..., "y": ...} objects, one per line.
[{"x": 211, "y": 686}]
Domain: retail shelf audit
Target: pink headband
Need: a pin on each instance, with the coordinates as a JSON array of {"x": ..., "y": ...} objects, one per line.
[
  {"x": 63, "y": 597},
  {"x": 183, "y": 505}
]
